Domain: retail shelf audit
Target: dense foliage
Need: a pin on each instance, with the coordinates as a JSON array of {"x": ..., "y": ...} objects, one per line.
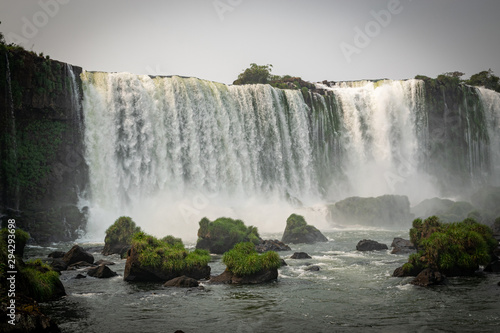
[
  {"x": 451, "y": 248},
  {"x": 485, "y": 79},
  {"x": 34, "y": 278},
  {"x": 167, "y": 255},
  {"x": 224, "y": 233},
  {"x": 243, "y": 260},
  {"x": 255, "y": 74},
  {"x": 121, "y": 231}
]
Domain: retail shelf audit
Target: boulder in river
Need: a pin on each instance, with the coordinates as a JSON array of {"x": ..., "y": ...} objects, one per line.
[
  {"x": 300, "y": 255},
  {"x": 182, "y": 282},
  {"x": 370, "y": 245},
  {"x": 76, "y": 254},
  {"x": 428, "y": 277},
  {"x": 402, "y": 246},
  {"x": 101, "y": 272},
  {"x": 119, "y": 236},
  {"x": 298, "y": 231},
  {"x": 170, "y": 261}
]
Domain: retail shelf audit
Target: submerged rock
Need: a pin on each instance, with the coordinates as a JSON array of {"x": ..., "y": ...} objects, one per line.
[
  {"x": 298, "y": 231},
  {"x": 182, "y": 282},
  {"x": 312, "y": 268},
  {"x": 370, "y": 245},
  {"x": 300, "y": 255},
  {"x": 77, "y": 254},
  {"x": 101, "y": 272},
  {"x": 271, "y": 245},
  {"x": 402, "y": 246},
  {"x": 228, "y": 277},
  {"x": 428, "y": 277}
]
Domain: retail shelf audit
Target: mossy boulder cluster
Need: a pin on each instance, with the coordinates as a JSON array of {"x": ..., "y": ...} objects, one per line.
[
  {"x": 152, "y": 259},
  {"x": 222, "y": 234},
  {"x": 119, "y": 236},
  {"x": 35, "y": 282},
  {"x": 453, "y": 249},
  {"x": 298, "y": 231},
  {"x": 386, "y": 210},
  {"x": 245, "y": 266}
]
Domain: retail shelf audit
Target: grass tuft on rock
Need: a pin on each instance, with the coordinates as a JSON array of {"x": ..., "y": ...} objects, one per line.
[
  {"x": 168, "y": 253},
  {"x": 121, "y": 231},
  {"x": 243, "y": 260}
]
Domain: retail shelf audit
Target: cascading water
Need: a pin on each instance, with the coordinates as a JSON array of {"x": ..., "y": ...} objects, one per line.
[
  {"x": 169, "y": 150},
  {"x": 165, "y": 147}
]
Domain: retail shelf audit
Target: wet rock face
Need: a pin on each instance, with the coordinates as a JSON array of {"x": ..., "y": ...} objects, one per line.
[
  {"x": 45, "y": 151},
  {"x": 101, "y": 272}
]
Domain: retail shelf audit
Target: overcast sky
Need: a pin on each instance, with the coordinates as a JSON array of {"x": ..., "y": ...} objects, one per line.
[{"x": 217, "y": 39}]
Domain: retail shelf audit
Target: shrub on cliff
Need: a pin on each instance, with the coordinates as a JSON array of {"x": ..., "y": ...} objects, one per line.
[
  {"x": 151, "y": 259},
  {"x": 222, "y": 234},
  {"x": 244, "y": 260},
  {"x": 119, "y": 236},
  {"x": 254, "y": 74},
  {"x": 454, "y": 249},
  {"x": 298, "y": 231}
]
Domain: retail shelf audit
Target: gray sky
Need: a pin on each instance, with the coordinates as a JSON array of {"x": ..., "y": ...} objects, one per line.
[{"x": 217, "y": 39}]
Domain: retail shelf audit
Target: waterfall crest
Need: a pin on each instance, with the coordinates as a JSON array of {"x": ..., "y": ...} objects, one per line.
[{"x": 172, "y": 150}]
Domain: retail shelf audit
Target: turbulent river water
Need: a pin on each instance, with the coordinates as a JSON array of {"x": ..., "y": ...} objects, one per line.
[{"x": 353, "y": 292}]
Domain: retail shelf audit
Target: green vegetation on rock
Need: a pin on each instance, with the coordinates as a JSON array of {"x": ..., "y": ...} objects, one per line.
[
  {"x": 40, "y": 281},
  {"x": 298, "y": 231},
  {"x": 34, "y": 278},
  {"x": 122, "y": 230},
  {"x": 453, "y": 249},
  {"x": 222, "y": 234},
  {"x": 160, "y": 254},
  {"x": 243, "y": 260}
]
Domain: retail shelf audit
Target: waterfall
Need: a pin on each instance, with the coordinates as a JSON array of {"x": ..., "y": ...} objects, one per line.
[
  {"x": 490, "y": 101},
  {"x": 169, "y": 150}
]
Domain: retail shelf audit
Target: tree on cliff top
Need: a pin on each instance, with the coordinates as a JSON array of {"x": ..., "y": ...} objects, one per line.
[
  {"x": 485, "y": 79},
  {"x": 2, "y": 40},
  {"x": 255, "y": 74}
]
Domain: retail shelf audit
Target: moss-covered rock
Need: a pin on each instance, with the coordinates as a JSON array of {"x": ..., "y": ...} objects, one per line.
[
  {"x": 298, "y": 231},
  {"x": 454, "y": 249},
  {"x": 35, "y": 282},
  {"x": 245, "y": 266},
  {"x": 119, "y": 236},
  {"x": 222, "y": 234},
  {"x": 386, "y": 210},
  {"x": 151, "y": 259}
]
